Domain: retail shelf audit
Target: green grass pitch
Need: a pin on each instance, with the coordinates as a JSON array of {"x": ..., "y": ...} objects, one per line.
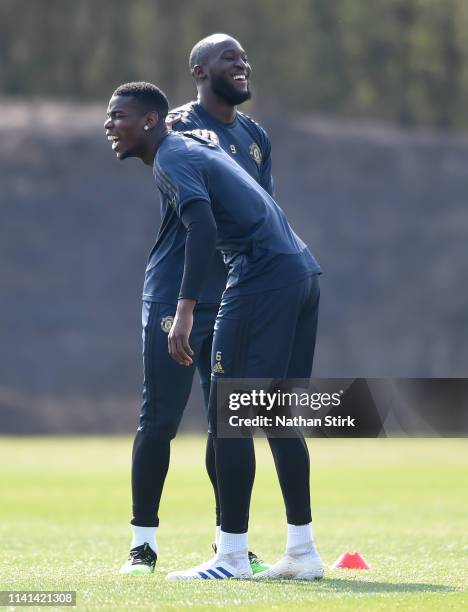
[{"x": 65, "y": 504}]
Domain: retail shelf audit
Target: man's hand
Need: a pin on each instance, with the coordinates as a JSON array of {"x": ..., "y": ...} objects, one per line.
[{"x": 178, "y": 339}]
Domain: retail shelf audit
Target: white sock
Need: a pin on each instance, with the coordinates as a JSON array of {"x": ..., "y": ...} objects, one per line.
[
  {"x": 234, "y": 545},
  {"x": 218, "y": 531},
  {"x": 142, "y": 535},
  {"x": 300, "y": 540}
]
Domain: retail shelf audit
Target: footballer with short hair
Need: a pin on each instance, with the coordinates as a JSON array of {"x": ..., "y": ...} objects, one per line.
[
  {"x": 221, "y": 70},
  {"x": 267, "y": 320}
]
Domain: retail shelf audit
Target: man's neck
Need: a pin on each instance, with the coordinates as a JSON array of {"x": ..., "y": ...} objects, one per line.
[
  {"x": 217, "y": 107},
  {"x": 153, "y": 146}
]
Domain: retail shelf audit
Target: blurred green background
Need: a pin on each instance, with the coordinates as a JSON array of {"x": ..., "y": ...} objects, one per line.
[{"x": 404, "y": 61}]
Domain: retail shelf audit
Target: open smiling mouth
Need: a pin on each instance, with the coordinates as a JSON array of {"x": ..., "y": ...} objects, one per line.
[
  {"x": 115, "y": 141},
  {"x": 240, "y": 78}
]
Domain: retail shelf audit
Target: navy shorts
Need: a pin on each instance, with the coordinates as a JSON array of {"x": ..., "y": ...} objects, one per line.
[
  {"x": 266, "y": 335},
  {"x": 166, "y": 384}
]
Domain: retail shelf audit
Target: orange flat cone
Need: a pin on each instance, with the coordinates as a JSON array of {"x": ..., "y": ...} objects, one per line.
[{"x": 350, "y": 561}]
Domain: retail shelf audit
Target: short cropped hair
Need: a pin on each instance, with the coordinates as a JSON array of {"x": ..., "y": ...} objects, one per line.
[{"x": 148, "y": 95}]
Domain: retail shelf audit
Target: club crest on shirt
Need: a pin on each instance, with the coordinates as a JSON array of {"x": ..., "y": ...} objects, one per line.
[
  {"x": 166, "y": 323},
  {"x": 255, "y": 152}
]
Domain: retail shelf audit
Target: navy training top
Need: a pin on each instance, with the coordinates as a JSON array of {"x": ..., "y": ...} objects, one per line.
[
  {"x": 259, "y": 248},
  {"x": 248, "y": 144}
]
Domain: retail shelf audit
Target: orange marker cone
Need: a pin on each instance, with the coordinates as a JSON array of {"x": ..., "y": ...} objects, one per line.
[{"x": 350, "y": 561}]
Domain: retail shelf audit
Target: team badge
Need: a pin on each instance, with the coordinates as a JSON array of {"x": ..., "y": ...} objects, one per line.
[
  {"x": 166, "y": 324},
  {"x": 255, "y": 152}
]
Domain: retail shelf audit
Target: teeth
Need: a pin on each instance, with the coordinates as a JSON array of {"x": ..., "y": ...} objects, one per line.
[
  {"x": 239, "y": 77},
  {"x": 112, "y": 138}
]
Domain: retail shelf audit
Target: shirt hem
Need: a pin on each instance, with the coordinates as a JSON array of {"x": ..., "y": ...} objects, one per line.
[
  {"x": 234, "y": 291},
  {"x": 163, "y": 299}
]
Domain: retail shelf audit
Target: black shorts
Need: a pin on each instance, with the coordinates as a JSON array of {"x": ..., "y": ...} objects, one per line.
[
  {"x": 166, "y": 384},
  {"x": 266, "y": 335}
]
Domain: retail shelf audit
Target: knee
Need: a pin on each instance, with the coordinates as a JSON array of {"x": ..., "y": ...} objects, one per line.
[{"x": 158, "y": 432}]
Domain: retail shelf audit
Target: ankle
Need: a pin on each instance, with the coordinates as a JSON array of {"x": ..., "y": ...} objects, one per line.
[
  {"x": 142, "y": 535},
  {"x": 303, "y": 551},
  {"x": 238, "y": 559},
  {"x": 230, "y": 543}
]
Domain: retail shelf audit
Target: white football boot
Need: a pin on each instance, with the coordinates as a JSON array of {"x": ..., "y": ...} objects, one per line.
[
  {"x": 217, "y": 568},
  {"x": 305, "y": 566}
]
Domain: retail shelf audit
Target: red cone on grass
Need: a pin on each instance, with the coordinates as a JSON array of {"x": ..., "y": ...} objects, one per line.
[{"x": 350, "y": 561}]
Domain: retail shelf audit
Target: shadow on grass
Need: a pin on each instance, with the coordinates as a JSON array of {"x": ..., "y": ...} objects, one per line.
[{"x": 364, "y": 586}]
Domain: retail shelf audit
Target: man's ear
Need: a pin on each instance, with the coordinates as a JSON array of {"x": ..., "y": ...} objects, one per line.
[
  {"x": 198, "y": 72},
  {"x": 152, "y": 119}
]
